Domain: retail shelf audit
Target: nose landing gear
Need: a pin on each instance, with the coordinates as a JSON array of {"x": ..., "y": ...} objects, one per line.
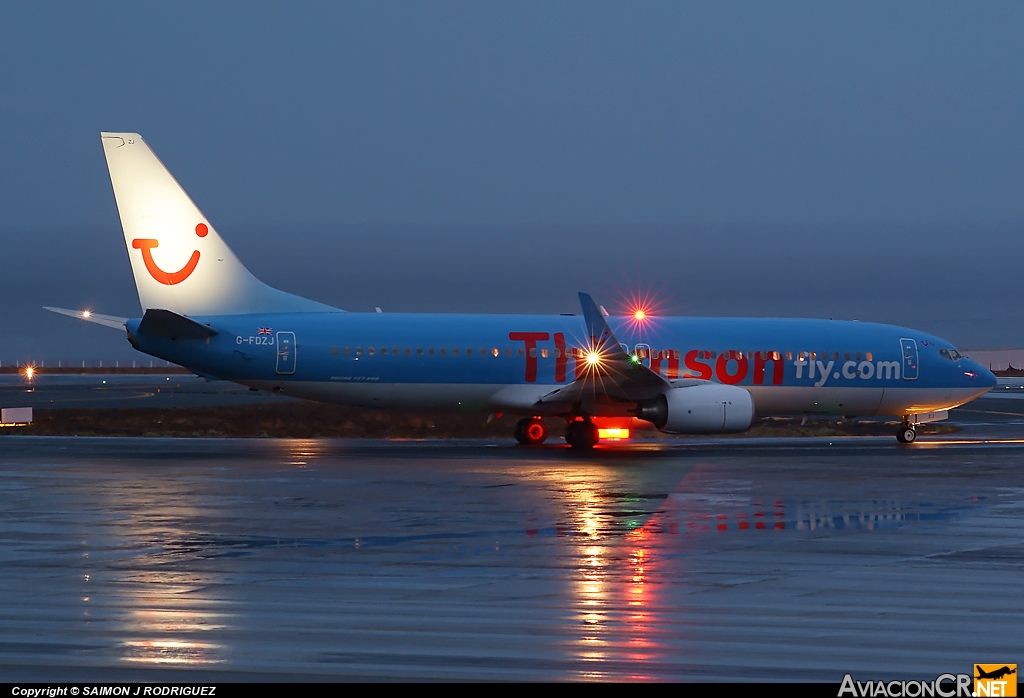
[
  {"x": 531, "y": 431},
  {"x": 906, "y": 434}
]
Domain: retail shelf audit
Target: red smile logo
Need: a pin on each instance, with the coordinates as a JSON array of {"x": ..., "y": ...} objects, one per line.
[{"x": 164, "y": 277}]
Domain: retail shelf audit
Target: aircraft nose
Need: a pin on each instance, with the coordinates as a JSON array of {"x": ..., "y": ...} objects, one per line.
[{"x": 983, "y": 378}]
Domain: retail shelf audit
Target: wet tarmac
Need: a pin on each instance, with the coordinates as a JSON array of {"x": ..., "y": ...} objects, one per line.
[
  {"x": 697, "y": 559},
  {"x": 58, "y": 391}
]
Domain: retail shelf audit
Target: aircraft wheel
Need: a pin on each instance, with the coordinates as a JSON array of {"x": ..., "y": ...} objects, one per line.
[
  {"x": 531, "y": 431},
  {"x": 582, "y": 435},
  {"x": 906, "y": 435}
]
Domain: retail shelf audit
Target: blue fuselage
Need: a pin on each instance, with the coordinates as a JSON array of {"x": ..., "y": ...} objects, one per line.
[{"x": 471, "y": 362}]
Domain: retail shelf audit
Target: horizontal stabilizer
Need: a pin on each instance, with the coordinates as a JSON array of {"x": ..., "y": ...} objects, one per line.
[
  {"x": 106, "y": 320},
  {"x": 164, "y": 323}
]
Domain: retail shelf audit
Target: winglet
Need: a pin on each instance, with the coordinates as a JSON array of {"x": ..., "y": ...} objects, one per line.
[{"x": 601, "y": 336}]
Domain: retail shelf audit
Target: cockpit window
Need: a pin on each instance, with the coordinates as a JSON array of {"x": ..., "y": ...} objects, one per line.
[{"x": 951, "y": 354}]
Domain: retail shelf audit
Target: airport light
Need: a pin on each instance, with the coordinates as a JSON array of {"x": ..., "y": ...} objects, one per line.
[{"x": 30, "y": 372}]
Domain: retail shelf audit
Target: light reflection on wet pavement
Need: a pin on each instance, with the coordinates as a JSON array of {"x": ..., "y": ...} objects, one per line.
[{"x": 788, "y": 559}]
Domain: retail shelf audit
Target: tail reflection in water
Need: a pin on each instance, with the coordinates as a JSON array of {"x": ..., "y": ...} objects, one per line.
[{"x": 165, "y": 621}]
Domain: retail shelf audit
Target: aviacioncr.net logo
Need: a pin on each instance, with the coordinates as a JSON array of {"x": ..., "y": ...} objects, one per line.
[
  {"x": 943, "y": 686},
  {"x": 169, "y": 278}
]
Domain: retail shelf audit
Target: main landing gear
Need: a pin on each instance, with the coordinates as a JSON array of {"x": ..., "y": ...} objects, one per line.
[
  {"x": 906, "y": 434},
  {"x": 531, "y": 431},
  {"x": 582, "y": 435}
]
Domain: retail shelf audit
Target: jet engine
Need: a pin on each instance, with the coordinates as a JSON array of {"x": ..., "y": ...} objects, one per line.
[{"x": 708, "y": 408}]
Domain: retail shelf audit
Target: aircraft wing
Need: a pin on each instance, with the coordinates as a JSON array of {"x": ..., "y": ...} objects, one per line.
[
  {"x": 106, "y": 320},
  {"x": 614, "y": 375}
]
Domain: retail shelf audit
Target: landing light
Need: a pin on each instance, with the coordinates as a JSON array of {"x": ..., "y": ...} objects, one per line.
[
  {"x": 593, "y": 358},
  {"x": 86, "y": 313},
  {"x": 30, "y": 372}
]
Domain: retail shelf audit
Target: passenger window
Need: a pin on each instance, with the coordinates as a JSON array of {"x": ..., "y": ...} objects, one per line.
[
  {"x": 868, "y": 356},
  {"x": 856, "y": 357},
  {"x": 419, "y": 351},
  {"x": 455, "y": 351},
  {"x": 494, "y": 352},
  {"x": 359, "y": 351},
  {"x": 394, "y": 351},
  {"x": 334, "y": 351},
  {"x": 814, "y": 355},
  {"x": 676, "y": 353},
  {"x": 789, "y": 356},
  {"x": 713, "y": 354},
  {"x": 776, "y": 356},
  {"x": 544, "y": 353},
  {"x": 835, "y": 355},
  {"x": 469, "y": 351},
  {"x": 430, "y": 351},
  {"x": 348, "y": 351},
  {"x": 370, "y": 351},
  {"x": 444, "y": 351},
  {"x": 846, "y": 356},
  {"x": 533, "y": 352},
  {"x": 508, "y": 351},
  {"x": 383, "y": 351},
  {"x": 521, "y": 352},
  {"x": 408, "y": 351}
]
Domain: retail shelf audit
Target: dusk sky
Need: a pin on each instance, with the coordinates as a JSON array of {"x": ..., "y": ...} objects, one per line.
[{"x": 850, "y": 160}]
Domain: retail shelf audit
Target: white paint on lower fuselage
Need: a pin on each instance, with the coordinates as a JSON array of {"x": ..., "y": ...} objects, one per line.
[{"x": 469, "y": 397}]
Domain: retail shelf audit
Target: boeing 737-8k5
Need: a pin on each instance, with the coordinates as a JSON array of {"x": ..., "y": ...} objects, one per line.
[{"x": 202, "y": 309}]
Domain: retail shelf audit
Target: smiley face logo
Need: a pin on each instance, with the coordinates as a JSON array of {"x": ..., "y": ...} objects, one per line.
[{"x": 168, "y": 277}]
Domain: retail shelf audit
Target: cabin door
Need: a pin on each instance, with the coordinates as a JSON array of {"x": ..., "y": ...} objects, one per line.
[
  {"x": 909, "y": 350},
  {"x": 285, "y": 353}
]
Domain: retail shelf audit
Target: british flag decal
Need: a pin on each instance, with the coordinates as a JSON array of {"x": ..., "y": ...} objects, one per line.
[{"x": 264, "y": 330}]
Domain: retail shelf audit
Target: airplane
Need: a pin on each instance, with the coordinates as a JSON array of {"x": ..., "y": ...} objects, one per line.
[
  {"x": 995, "y": 674},
  {"x": 202, "y": 309}
]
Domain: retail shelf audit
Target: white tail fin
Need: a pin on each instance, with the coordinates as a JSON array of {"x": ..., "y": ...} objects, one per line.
[{"x": 179, "y": 261}]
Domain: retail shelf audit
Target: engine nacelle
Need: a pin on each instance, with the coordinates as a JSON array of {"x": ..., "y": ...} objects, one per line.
[{"x": 708, "y": 408}]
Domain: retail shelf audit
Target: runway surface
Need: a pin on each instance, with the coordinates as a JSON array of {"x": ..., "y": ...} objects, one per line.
[
  {"x": 701, "y": 559},
  {"x": 56, "y": 391}
]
